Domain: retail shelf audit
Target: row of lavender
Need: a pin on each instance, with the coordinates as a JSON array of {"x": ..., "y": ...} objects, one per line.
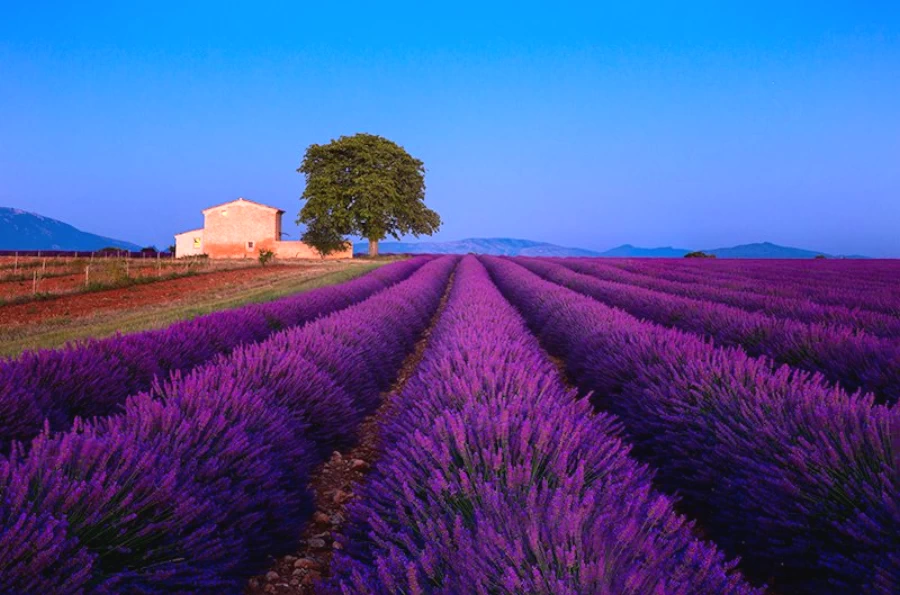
[
  {"x": 802, "y": 309},
  {"x": 856, "y": 360},
  {"x": 197, "y": 481},
  {"x": 865, "y": 272},
  {"x": 854, "y": 284},
  {"x": 95, "y": 377},
  {"x": 794, "y": 475},
  {"x": 496, "y": 479}
]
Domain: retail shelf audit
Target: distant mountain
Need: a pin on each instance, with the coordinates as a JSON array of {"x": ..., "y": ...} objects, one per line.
[
  {"x": 514, "y": 247},
  {"x": 763, "y": 250},
  {"x": 629, "y": 251},
  {"x": 21, "y": 230},
  {"x": 496, "y": 246}
]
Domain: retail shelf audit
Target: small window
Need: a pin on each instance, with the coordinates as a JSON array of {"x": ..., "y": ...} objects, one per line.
[
  {"x": 196, "y": 242},
  {"x": 249, "y": 245}
]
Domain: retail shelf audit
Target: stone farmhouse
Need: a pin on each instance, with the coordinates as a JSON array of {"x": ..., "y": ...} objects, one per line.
[{"x": 240, "y": 229}]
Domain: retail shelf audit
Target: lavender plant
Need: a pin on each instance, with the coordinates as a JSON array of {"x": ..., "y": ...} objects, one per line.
[
  {"x": 857, "y": 284},
  {"x": 802, "y": 309},
  {"x": 94, "y": 377},
  {"x": 794, "y": 475},
  {"x": 495, "y": 479},
  {"x": 198, "y": 481},
  {"x": 856, "y": 360}
]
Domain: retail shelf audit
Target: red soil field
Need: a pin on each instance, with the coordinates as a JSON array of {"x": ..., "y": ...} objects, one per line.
[
  {"x": 62, "y": 279},
  {"x": 68, "y": 283},
  {"x": 164, "y": 291}
]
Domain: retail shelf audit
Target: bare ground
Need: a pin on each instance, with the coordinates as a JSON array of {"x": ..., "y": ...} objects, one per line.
[
  {"x": 51, "y": 323},
  {"x": 334, "y": 485}
]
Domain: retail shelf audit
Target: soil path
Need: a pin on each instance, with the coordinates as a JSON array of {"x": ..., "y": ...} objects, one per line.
[{"x": 333, "y": 485}]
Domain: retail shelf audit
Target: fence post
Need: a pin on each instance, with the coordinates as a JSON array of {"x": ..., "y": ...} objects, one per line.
[
  {"x": 87, "y": 274},
  {"x": 34, "y": 283}
]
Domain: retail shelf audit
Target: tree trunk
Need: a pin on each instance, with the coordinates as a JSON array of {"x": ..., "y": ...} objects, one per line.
[{"x": 373, "y": 248}]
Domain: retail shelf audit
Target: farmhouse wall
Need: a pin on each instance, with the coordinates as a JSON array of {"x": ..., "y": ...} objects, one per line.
[
  {"x": 189, "y": 243},
  {"x": 239, "y": 230},
  {"x": 301, "y": 250}
]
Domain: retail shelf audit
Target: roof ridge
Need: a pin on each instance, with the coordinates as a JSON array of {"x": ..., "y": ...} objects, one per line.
[{"x": 244, "y": 200}]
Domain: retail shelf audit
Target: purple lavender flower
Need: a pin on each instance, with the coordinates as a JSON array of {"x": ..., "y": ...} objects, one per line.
[
  {"x": 791, "y": 473},
  {"x": 496, "y": 479},
  {"x": 197, "y": 482},
  {"x": 857, "y": 360},
  {"x": 94, "y": 377}
]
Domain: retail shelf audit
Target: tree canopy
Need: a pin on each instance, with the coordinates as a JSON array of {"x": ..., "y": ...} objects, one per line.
[{"x": 363, "y": 185}]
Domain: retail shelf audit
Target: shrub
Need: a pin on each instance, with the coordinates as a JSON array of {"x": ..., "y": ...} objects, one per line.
[{"x": 265, "y": 256}]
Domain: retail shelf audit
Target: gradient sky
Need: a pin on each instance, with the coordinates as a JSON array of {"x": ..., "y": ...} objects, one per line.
[{"x": 694, "y": 125}]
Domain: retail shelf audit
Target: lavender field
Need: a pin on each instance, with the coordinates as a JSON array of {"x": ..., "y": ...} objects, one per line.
[{"x": 537, "y": 425}]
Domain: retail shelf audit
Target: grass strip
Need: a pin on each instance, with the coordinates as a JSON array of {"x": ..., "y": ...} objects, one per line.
[{"x": 56, "y": 332}]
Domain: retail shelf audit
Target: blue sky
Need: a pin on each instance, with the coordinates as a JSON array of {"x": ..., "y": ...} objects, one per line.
[{"x": 689, "y": 124}]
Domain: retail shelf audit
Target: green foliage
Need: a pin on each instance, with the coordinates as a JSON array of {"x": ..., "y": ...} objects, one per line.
[
  {"x": 363, "y": 185},
  {"x": 699, "y": 254},
  {"x": 265, "y": 256},
  {"x": 324, "y": 238},
  {"x": 820, "y": 257}
]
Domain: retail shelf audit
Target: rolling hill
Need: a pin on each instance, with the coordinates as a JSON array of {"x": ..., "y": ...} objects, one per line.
[
  {"x": 517, "y": 247},
  {"x": 21, "y": 230},
  {"x": 764, "y": 250},
  {"x": 498, "y": 246},
  {"x": 629, "y": 251}
]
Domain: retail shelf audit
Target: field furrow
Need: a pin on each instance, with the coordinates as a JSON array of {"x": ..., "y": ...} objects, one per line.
[
  {"x": 495, "y": 479},
  {"x": 854, "y": 359},
  {"x": 843, "y": 290},
  {"x": 797, "y": 477},
  {"x": 198, "y": 482},
  {"x": 801, "y": 309},
  {"x": 451, "y": 425},
  {"x": 93, "y": 378},
  {"x": 334, "y": 484}
]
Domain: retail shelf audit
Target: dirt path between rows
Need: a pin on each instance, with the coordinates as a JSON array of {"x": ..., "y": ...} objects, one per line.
[
  {"x": 333, "y": 485},
  {"x": 136, "y": 296}
]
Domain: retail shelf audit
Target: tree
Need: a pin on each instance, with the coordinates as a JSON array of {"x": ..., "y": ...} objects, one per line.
[
  {"x": 323, "y": 238},
  {"x": 363, "y": 185},
  {"x": 699, "y": 254}
]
